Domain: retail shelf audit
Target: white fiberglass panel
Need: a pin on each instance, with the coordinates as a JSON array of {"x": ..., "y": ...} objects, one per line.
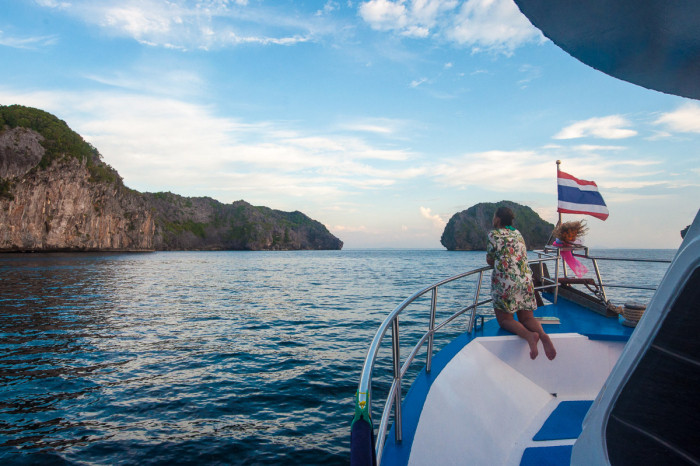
[
  {"x": 489, "y": 400},
  {"x": 475, "y": 411},
  {"x": 579, "y": 370}
]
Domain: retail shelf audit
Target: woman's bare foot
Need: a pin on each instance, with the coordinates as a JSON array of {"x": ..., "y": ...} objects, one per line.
[
  {"x": 532, "y": 341},
  {"x": 549, "y": 348}
]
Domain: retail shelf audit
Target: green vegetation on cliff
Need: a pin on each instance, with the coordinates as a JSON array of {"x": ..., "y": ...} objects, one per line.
[
  {"x": 6, "y": 189},
  {"x": 59, "y": 141},
  {"x": 177, "y": 228},
  {"x": 205, "y": 223},
  {"x": 39, "y": 152},
  {"x": 467, "y": 230}
]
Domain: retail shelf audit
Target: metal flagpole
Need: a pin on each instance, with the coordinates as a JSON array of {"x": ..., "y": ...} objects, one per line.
[
  {"x": 556, "y": 263},
  {"x": 558, "y": 169},
  {"x": 563, "y": 264},
  {"x": 559, "y": 222}
]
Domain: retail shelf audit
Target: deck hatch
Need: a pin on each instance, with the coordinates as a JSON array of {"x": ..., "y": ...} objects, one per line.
[{"x": 559, "y": 455}]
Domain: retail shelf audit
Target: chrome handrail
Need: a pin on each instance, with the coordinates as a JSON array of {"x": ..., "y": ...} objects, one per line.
[
  {"x": 547, "y": 250},
  {"x": 624, "y": 259},
  {"x": 364, "y": 392}
]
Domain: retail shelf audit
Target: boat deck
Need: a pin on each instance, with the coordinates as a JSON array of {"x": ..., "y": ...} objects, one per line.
[{"x": 451, "y": 415}]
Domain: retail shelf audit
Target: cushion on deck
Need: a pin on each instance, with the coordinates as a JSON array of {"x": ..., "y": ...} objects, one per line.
[
  {"x": 565, "y": 422},
  {"x": 547, "y": 456}
]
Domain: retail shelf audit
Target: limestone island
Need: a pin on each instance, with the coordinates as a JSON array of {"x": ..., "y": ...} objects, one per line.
[
  {"x": 467, "y": 230},
  {"x": 57, "y": 194}
]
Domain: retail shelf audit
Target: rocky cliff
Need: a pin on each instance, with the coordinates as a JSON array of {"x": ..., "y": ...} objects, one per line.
[
  {"x": 467, "y": 230},
  {"x": 56, "y": 194},
  {"x": 204, "y": 223}
]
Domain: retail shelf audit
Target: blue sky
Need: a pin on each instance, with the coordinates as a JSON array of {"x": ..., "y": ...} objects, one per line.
[{"x": 380, "y": 119}]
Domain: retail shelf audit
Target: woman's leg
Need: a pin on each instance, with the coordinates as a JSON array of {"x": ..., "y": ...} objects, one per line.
[
  {"x": 507, "y": 322},
  {"x": 529, "y": 322}
]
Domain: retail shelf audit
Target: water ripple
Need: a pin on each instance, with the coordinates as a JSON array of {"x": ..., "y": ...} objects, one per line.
[{"x": 207, "y": 357}]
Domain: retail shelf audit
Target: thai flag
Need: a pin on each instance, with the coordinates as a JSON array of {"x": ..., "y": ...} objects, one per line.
[{"x": 580, "y": 197}]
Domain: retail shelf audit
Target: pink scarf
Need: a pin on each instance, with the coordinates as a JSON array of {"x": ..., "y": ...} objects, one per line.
[{"x": 577, "y": 267}]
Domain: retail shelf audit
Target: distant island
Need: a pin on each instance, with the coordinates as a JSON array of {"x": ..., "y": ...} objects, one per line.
[
  {"x": 467, "y": 230},
  {"x": 57, "y": 194}
]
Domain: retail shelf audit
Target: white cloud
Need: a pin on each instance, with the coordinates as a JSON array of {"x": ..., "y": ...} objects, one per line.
[
  {"x": 619, "y": 198},
  {"x": 684, "y": 120},
  {"x": 492, "y": 25},
  {"x": 205, "y": 24},
  {"x": 369, "y": 128},
  {"x": 591, "y": 147},
  {"x": 609, "y": 127},
  {"x": 152, "y": 80},
  {"x": 160, "y": 143},
  {"x": 418, "y": 82},
  {"x": 530, "y": 73},
  {"x": 438, "y": 222},
  {"x": 341, "y": 228},
  {"x": 448, "y": 65},
  {"x": 384, "y": 15},
  {"x": 633, "y": 184},
  {"x": 344, "y": 207},
  {"x": 136, "y": 21},
  {"x": 328, "y": 7},
  {"x": 658, "y": 135},
  {"x": 232, "y": 38},
  {"x": 548, "y": 213},
  {"x": 481, "y": 24},
  {"x": 53, "y": 4},
  {"x": 497, "y": 170},
  {"x": 533, "y": 172},
  {"x": 29, "y": 43},
  {"x": 416, "y": 31},
  {"x": 388, "y": 127}
]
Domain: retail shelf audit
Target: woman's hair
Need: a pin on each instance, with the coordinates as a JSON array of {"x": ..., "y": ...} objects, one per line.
[
  {"x": 506, "y": 215},
  {"x": 571, "y": 231}
]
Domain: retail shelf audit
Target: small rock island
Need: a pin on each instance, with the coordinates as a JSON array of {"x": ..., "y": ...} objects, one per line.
[
  {"x": 57, "y": 194},
  {"x": 467, "y": 230}
]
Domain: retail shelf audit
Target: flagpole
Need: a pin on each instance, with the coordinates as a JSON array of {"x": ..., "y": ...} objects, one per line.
[
  {"x": 556, "y": 264},
  {"x": 564, "y": 263},
  {"x": 558, "y": 169},
  {"x": 559, "y": 222}
]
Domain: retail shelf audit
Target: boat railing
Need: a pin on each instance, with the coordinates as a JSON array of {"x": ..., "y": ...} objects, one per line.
[
  {"x": 394, "y": 398},
  {"x": 364, "y": 393},
  {"x": 583, "y": 253}
]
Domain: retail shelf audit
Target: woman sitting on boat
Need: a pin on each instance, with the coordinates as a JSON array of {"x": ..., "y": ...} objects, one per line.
[{"x": 511, "y": 283}]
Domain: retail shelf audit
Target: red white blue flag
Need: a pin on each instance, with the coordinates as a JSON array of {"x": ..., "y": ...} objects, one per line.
[{"x": 580, "y": 197}]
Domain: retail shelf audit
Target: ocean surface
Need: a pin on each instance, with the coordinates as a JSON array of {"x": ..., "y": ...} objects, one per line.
[{"x": 249, "y": 358}]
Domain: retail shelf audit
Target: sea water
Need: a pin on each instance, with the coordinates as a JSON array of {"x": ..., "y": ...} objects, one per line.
[{"x": 216, "y": 357}]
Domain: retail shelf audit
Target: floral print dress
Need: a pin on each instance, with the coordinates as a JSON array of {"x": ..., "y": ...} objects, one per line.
[{"x": 511, "y": 282}]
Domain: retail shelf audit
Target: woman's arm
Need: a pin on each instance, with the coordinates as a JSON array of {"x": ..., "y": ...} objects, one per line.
[{"x": 490, "y": 249}]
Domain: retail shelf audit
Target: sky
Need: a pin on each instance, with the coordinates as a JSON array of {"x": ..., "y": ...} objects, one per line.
[{"x": 380, "y": 118}]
